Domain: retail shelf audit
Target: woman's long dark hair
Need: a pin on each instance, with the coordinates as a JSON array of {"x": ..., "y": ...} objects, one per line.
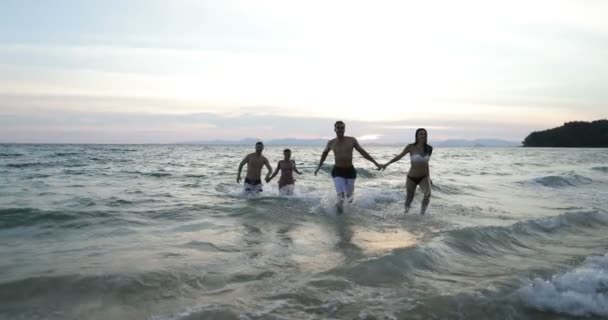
[{"x": 428, "y": 150}]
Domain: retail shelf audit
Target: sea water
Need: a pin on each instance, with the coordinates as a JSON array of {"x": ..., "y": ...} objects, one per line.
[{"x": 165, "y": 232}]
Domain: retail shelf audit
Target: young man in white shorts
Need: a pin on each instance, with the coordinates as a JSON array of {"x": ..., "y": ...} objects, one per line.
[{"x": 343, "y": 173}]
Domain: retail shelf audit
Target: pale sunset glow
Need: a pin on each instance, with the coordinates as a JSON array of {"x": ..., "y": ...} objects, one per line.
[
  {"x": 513, "y": 66},
  {"x": 370, "y": 137}
]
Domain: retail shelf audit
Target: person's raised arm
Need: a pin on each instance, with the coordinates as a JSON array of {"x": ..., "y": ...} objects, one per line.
[
  {"x": 323, "y": 156},
  {"x": 364, "y": 153},
  {"x": 398, "y": 157},
  {"x": 268, "y": 167},
  {"x": 238, "y": 175},
  {"x": 276, "y": 170},
  {"x": 293, "y": 162}
]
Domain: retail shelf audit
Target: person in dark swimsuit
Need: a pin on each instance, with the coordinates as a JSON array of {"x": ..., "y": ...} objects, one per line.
[
  {"x": 418, "y": 175},
  {"x": 255, "y": 161},
  {"x": 287, "y": 167}
]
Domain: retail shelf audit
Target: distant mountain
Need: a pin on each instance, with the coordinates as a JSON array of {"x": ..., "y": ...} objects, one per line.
[
  {"x": 252, "y": 141},
  {"x": 322, "y": 142},
  {"x": 475, "y": 143},
  {"x": 578, "y": 134},
  {"x": 246, "y": 141}
]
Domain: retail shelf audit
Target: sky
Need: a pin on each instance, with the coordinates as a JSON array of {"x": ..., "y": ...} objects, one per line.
[{"x": 151, "y": 71}]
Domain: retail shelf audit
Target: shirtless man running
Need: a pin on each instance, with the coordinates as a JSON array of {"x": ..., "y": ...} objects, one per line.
[
  {"x": 343, "y": 173},
  {"x": 255, "y": 161}
]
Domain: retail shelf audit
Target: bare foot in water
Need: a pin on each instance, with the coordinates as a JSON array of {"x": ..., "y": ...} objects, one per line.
[{"x": 339, "y": 208}]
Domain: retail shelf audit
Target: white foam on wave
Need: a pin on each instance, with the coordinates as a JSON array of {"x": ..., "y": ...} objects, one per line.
[
  {"x": 569, "y": 180},
  {"x": 365, "y": 199},
  {"x": 324, "y": 201},
  {"x": 369, "y": 198},
  {"x": 204, "y": 312},
  {"x": 580, "y": 292}
]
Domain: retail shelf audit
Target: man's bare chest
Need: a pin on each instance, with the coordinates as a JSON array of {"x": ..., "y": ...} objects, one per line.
[{"x": 341, "y": 147}]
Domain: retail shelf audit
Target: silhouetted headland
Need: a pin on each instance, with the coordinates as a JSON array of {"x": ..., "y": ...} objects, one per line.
[{"x": 575, "y": 134}]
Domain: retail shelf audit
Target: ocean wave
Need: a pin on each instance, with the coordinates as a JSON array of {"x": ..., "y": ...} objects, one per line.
[
  {"x": 66, "y": 154},
  {"x": 448, "y": 189},
  {"x": 152, "y": 283},
  {"x": 207, "y": 246},
  {"x": 11, "y": 155},
  {"x": 563, "y": 181},
  {"x": 491, "y": 240},
  {"x": 117, "y": 202},
  {"x": 155, "y": 174},
  {"x": 195, "y": 175},
  {"x": 601, "y": 169},
  {"x": 26, "y": 165},
  {"x": 485, "y": 245},
  {"x": 35, "y": 165},
  {"x": 22, "y": 217},
  {"x": 394, "y": 269},
  {"x": 500, "y": 174},
  {"x": 31, "y": 217},
  {"x": 119, "y": 150},
  {"x": 365, "y": 173},
  {"x": 73, "y": 164},
  {"x": 38, "y": 176},
  {"x": 74, "y": 172},
  {"x": 581, "y": 292},
  {"x": 210, "y": 312}
]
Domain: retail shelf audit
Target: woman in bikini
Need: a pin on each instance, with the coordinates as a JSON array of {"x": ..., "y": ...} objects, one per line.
[
  {"x": 287, "y": 167},
  {"x": 418, "y": 175}
]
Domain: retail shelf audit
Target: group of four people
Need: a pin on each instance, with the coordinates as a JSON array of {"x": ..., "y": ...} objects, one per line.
[{"x": 343, "y": 172}]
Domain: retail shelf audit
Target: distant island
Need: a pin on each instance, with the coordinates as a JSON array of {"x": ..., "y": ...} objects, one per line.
[{"x": 576, "y": 134}]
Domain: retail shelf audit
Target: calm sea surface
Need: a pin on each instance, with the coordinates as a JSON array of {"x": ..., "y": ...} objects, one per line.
[{"x": 164, "y": 232}]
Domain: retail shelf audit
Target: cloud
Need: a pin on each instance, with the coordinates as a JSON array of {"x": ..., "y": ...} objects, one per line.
[
  {"x": 472, "y": 64},
  {"x": 34, "y": 121}
]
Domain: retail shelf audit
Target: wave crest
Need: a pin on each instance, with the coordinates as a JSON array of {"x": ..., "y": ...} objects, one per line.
[
  {"x": 563, "y": 181},
  {"x": 579, "y": 292}
]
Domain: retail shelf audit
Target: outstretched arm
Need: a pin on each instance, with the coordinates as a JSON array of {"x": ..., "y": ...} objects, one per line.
[
  {"x": 268, "y": 167},
  {"x": 276, "y": 170},
  {"x": 398, "y": 157},
  {"x": 238, "y": 175},
  {"x": 293, "y": 162},
  {"x": 365, "y": 154},
  {"x": 323, "y": 156}
]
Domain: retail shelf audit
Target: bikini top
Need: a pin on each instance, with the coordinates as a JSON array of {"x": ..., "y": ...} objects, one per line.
[
  {"x": 286, "y": 170},
  {"x": 417, "y": 158}
]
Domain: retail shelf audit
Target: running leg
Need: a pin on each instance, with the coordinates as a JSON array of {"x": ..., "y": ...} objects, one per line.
[
  {"x": 425, "y": 185},
  {"x": 410, "y": 190}
]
